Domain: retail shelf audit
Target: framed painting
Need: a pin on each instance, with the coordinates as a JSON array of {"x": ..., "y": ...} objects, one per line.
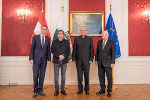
[{"x": 93, "y": 21}]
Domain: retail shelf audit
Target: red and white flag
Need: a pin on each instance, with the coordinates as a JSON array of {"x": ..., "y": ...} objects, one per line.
[{"x": 37, "y": 30}]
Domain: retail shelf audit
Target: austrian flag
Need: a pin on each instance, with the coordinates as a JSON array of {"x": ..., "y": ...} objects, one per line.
[{"x": 37, "y": 30}]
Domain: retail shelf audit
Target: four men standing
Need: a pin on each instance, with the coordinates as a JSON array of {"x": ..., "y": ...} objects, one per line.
[{"x": 82, "y": 55}]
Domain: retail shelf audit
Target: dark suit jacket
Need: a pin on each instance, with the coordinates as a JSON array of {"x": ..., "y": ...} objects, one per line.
[
  {"x": 58, "y": 48},
  {"x": 106, "y": 56},
  {"x": 37, "y": 53},
  {"x": 83, "y": 53}
]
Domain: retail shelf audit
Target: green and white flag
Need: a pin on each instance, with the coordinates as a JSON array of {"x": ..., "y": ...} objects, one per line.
[{"x": 62, "y": 25}]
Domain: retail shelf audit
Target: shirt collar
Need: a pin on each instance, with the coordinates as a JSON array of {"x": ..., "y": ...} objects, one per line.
[{"x": 105, "y": 41}]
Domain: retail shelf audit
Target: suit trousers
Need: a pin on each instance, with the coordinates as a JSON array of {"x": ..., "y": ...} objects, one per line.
[
  {"x": 38, "y": 76},
  {"x": 80, "y": 70},
  {"x": 56, "y": 75},
  {"x": 101, "y": 73}
]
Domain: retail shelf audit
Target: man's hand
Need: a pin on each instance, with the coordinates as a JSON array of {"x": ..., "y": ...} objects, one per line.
[
  {"x": 74, "y": 61},
  {"x": 61, "y": 57},
  {"x": 96, "y": 63},
  {"x": 49, "y": 62},
  {"x": 112, "y": 65},
  {"x": 31, "y": 61},
  {"x": 90, "y": 62}
]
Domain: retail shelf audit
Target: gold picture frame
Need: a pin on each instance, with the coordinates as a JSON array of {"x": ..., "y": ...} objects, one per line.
[{"x": 93, "y": 21}]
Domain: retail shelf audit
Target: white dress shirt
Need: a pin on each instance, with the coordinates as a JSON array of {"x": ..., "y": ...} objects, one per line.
[{"x": 41, "y": 39}]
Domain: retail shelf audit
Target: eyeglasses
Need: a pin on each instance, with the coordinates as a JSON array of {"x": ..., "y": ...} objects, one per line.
[
  {"x": 60, "y": 33},
  {"x": 44, "y": 29},
  {"x": 83, "y": 30}
]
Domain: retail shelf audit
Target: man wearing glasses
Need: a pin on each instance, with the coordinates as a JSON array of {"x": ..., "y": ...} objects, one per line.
[
  {"x": 60, "y": 49},
  {"x": 39, "y": 54},
  {"x": 82, "y": 55}
]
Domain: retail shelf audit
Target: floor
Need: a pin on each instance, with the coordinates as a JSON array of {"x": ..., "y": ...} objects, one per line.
[{"x": 120, "y": 92}]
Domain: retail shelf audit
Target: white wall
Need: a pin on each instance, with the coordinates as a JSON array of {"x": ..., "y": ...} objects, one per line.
[
  {"x": 128, "y": 70},
  {"x": 0, "y": 22}
]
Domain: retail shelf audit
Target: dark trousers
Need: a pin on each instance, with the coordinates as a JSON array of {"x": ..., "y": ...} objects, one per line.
[
  {"x": 38, "y": 76},
  {"x": 56, "y": 75},
  {"x": 101, "y": 73},
  {"x": 80, "y": 70}
]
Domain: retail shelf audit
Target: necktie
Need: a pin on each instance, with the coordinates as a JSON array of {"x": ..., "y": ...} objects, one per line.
[
  {"x": 103, "y": 45},
  {"x": 42, "y": 41}
]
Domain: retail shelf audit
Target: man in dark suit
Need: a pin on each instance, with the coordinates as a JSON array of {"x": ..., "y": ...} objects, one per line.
[
  {"x": 83, "y": 53},
  {"x": 39, "y": 54},
  {"x": 105, "y": 59},
  {"x": 60, "y": 50}
]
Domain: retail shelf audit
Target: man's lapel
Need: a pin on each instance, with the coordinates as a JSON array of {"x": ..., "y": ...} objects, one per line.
[
  {"x": 45, "y": 40},
  {"x": 85, "y": 40},
  {"x": 106, "y": 44},
  {"x": 101, "y": 45},
  {"x": 39, "y": 40}
]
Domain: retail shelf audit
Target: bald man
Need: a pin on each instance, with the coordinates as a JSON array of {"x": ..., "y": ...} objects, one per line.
[
  {"x": 82, "y": 55},
  {"x": 105, "y": 59}
]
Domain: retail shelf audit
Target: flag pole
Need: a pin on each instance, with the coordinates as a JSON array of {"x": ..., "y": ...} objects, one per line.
[
  {"x": 62, "y": 9},
  {"x": 42, "y": 6},
  {"x": 112, "y": 69}
]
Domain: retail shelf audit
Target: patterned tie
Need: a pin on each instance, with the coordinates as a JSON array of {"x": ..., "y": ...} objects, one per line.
[
  {"x": 103, "y": 45},
  {"x": 42, "y": 41}
]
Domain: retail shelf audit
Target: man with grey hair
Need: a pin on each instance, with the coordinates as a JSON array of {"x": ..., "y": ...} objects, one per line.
[
  {"x": 105, "y": 59},
  {"x": 82, "y": 55}
]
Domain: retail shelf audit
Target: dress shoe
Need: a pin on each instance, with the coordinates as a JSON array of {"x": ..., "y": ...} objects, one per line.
[
  {"x": 87, "y": 92},
  {"x": 35, "y": 95},
  {"x": 63, "y": 92},
  {"x": 80, "y": 91},
  {"x": 109, "y": 94},
  {"x": 100, "y": 92},
  {"x": 42, "y": 94},
  {"x": 56, "y": 93}
]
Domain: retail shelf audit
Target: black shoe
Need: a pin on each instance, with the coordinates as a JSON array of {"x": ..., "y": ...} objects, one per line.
[
  {"x": 63, "y": 92},
  {"x": 80, "y": 91},
  {"x": 42, "y": 94},
  {"x": 56, "y": 93},
  {"x": 87, "y": 92},
  {"x": 35, "y": 95},
  {"x": 109, "y": 94},
  {"x": 100, "y": 92}
]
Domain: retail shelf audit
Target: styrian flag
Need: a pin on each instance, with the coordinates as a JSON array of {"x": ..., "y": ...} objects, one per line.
[{"x": 62, "y": 25}]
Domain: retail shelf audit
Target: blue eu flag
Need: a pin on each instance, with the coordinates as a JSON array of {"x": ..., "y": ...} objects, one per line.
[{"x": 110, "y": 28}]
